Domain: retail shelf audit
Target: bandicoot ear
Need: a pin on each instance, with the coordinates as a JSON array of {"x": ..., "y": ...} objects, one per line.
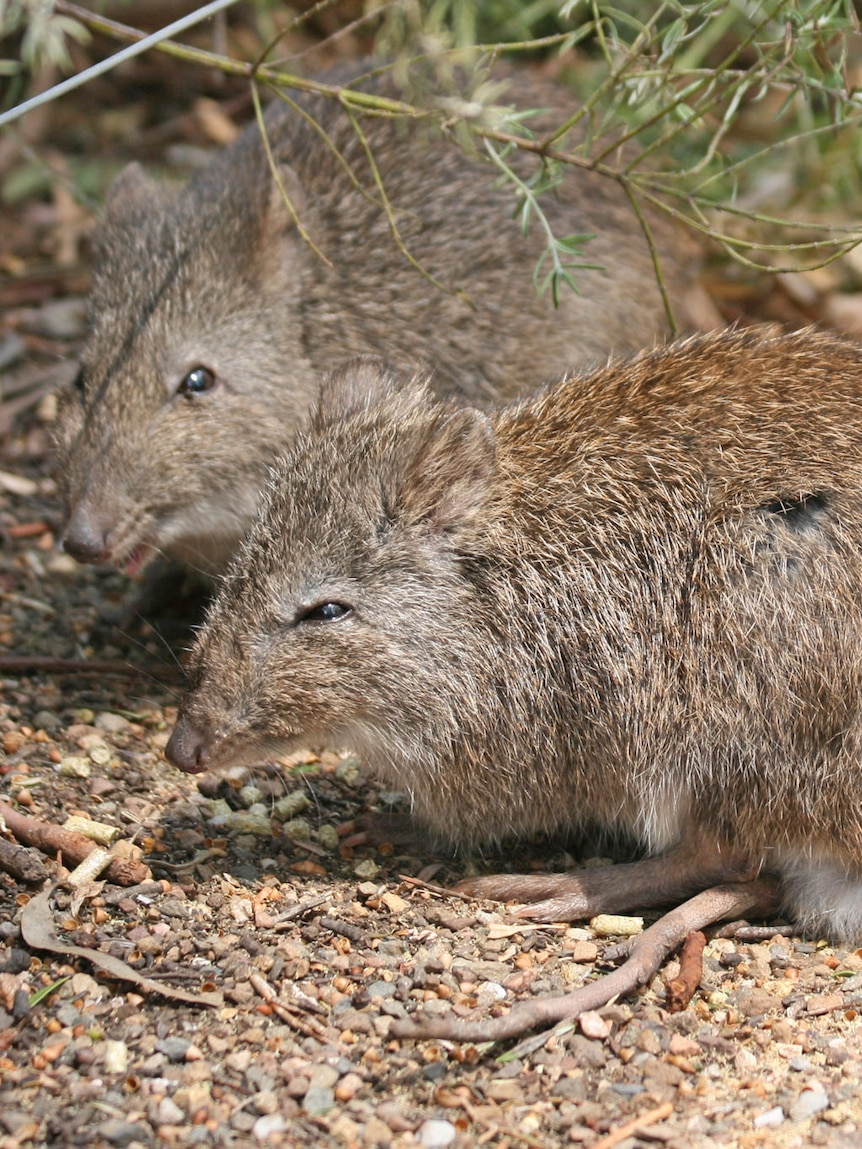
[
  {"x": 132, "y": 189},
  {"x": 357, "y": 385},
  {"x": 447, "y": 482}
]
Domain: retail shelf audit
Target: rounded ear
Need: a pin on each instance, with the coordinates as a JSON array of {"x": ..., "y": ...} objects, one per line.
[
  {"x": 132, "y": 188},
  {"x": 354, "y": 386},
  {"x": 447, "y": 481}
]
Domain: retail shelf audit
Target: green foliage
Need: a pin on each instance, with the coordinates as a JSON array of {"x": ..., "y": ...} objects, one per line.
[
  {"x": 740, "y": 118},
  {"x": 44, "y": 34},
  {"x": 695, "y": 108}
]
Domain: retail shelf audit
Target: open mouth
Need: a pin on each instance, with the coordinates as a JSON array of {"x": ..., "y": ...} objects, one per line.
[{"x": 137, "y": 560}]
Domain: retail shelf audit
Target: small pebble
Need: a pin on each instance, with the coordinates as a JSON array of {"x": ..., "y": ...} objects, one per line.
[
  {"x": 807, "y": 1104},
  {"x": 74, "y": 766},
  {"x": 169, "y": 1113},
  {"x": 318, "y": 1100},
  {"x": 266, "y": 1126},
  {"x": 771, "y": 1119},
  {"x": 436, "y": 1134},
  {"x": 174, "y": 1048},
  {"x": 593, "y": 1025},
  {"x": 111, "y": 723},
  {"x": 117, "y": 1058},
  {"x": 800, "y": 1065}
]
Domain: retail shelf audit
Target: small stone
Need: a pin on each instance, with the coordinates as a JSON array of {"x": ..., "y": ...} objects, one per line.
[
  {"x": 348, "y": 1087},
  {"x": 117, "y": 1059},
  {"x": 264, "y": 1102},
  {"x": 174, "y": 1048},
  {"x": 255, "y": 820},
  {"x": 74, "y": 766},
  {"x": 348, "y": 770},
  {"x": 807, "y": 1104},
  {"x": 46, "y": 720},
  {"x": 771, "y": 1119},
  {"x": 391, "y": 1113},
  {"x": 800, "y": 1065},
  {"x": 681, "y": 1046},
  {"x": 381, "y": 989},
  {"x": 169, "y": 1113},
  {"x": 583, "y": 952},
  {"x": 318, "y": 1100},
  {"x": 593, "y": 1025},
  {"x": 507, "y": 1089},
  {"x": 821, "y": 1003},
  {"x": 82, "y": 985},
  {"x": 323, "y": 1077},
  {"x": 266, "y": 1126},
  {"x": 436, "y": 1134},
  {"x": 376, "y": 1133},
  {"x": 111, "y": 723},
  {"x": 250, "y": 795},
  {"x": 121, "y": 1133},
  {"x": 367, "y": 868}
]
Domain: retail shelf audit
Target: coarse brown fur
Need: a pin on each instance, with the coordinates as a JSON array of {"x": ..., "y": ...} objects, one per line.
[
  {"x": 634, "y": 599},
  {"x": 216, "y": 275}
]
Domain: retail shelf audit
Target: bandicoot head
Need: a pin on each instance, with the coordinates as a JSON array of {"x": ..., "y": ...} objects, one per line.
[
  {"x": 169, "y": 431},
  {"x": 333, "y": 620}
]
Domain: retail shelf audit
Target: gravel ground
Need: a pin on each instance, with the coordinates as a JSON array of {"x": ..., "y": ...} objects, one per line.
[{"x": 307, "y": 944}]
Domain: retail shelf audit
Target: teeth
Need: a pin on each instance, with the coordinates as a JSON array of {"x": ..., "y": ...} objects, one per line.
[{"x": 137, "y": 559}]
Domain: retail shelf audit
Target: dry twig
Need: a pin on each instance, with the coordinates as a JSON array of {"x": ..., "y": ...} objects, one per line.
[
  {"x": 52, "y": 839},
  {"x": 635, "y": 1125},
  {"x": 647, "y": 953},
  {"x": 680, "y": 990}
]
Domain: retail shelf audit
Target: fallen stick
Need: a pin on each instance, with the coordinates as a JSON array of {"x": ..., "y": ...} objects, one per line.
[
  {"x": 680, "y": 990},
  {"x": 646, "y": 955},
  {"x": 21, "y": 863},
  {"x": 631, "y": 1127},
  {"x": 52, "y": 839}
]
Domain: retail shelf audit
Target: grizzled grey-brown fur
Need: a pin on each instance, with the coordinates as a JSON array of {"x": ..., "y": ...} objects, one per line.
[
  {"x": 212, "y": 320},
  {"x": 632, "y": 600}
]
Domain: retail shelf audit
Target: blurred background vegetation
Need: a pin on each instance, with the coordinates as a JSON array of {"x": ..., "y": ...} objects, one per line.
[{"x": 741, "y": 119}]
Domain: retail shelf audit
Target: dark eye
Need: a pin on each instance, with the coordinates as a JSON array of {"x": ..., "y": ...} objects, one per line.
[
  {"x": 198, "y": 379},
  {"x": 324, "y": 612},
  {"x": 78, "y": 381}
]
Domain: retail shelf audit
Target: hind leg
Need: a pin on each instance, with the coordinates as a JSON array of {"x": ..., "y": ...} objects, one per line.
[{"x": 686, "y": 869}]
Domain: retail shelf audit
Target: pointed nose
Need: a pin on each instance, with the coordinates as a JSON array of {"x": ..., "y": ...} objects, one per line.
[
  {"x": 86, "y": 536},
  {"x": 187, "y": 747}
]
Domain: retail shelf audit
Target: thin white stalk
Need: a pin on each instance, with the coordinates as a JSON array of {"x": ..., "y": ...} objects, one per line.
[{"x": 112, "y": 61}]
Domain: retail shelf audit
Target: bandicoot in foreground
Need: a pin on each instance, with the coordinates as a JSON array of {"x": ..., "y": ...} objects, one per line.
[{"x": 633, "y": 600}]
